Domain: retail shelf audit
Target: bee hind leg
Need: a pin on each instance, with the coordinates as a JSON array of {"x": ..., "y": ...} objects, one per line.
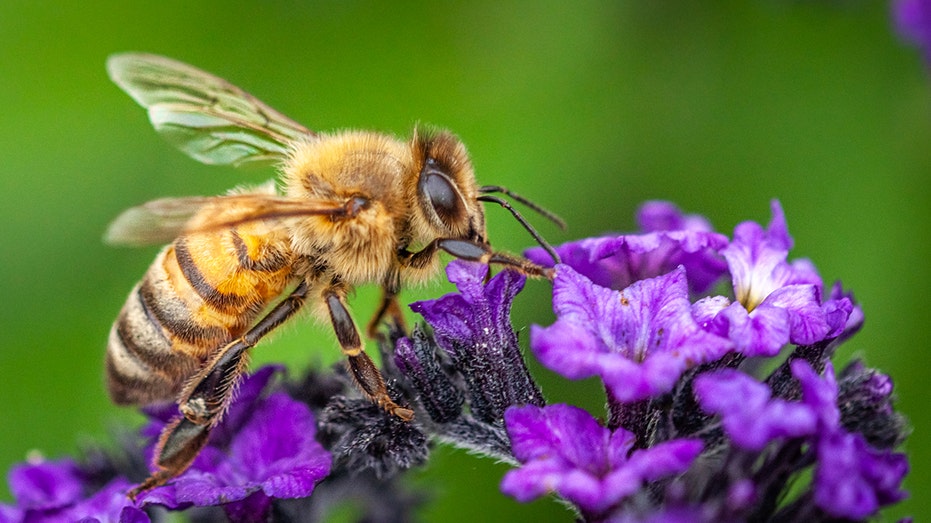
[
  {"x": 178, "y": 445},
  {"x": 207, "y": 396}
]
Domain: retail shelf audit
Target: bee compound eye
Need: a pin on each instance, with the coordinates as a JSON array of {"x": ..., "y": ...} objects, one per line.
[{"x": 443, "y": 197}]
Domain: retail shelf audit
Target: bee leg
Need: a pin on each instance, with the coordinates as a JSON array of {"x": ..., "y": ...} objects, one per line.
[
  {"x": 361, "y": 367},
  {"x": 177, "y": 447},
  {"x": 202, "y": 405},
  {"x": 207, "y": 396},
  {"x": 475, "y": 251},
  {"x": 389, "y": 307}
]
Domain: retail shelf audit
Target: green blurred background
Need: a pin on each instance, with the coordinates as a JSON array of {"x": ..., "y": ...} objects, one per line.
[{"x": 589, "y": 108}]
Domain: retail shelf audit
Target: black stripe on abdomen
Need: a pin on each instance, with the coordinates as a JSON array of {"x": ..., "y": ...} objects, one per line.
[
  {"x": 176, "y": 318},
  {"x": 210, "y": 294},
  {"x": 143, "y": 340},
  {"x": 131, "y": 388}
]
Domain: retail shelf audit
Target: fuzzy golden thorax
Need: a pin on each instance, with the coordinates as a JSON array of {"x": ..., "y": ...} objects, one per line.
[{"x": 336, "y": 168}]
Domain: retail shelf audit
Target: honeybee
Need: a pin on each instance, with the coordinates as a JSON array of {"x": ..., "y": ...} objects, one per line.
[{"x": 355, "y": 207}]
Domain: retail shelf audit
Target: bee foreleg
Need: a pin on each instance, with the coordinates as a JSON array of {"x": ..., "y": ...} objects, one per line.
[
  {"x": 208, "y": 395},
  {"x": 363, "y": 370},
  {"x": 475, "y": 251}
]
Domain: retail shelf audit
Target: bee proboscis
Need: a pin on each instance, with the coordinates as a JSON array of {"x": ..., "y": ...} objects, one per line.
[{"x": 355, "y": 207}]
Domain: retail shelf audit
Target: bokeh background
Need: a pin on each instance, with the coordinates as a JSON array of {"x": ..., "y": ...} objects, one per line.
[{"x": 590, "y": 108}]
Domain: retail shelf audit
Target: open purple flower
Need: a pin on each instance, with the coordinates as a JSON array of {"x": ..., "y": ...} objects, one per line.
[
  {"x": 263, "y": 449},
  {"x": 566, "y": 451},
  {"x": 639, "y": 340},
  {"x": 46, "y": 484},
  {"x": 853, "y": 479},
  {"x": 58, "y": 491},
  {"x": 777, "y": 302},
  {"x": 671, "y": 239}
]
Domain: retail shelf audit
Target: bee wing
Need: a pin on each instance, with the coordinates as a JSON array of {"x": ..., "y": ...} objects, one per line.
[
  {"x": 161, "y": 221},
  {"x": 210, "y": 119}
]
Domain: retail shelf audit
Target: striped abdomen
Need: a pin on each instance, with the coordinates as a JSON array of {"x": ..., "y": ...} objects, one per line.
[{"x": 202, "y": 292}]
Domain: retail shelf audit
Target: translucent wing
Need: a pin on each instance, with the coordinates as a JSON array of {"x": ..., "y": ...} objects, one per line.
[
  {"x": 161, "y": 221},
  {"x": 207, "y": 117}
]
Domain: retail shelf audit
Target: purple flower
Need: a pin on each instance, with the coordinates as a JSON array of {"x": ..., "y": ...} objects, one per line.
[
  {"x": 566, "y": 451},
  {"x": 777, "y": 302},
  {"x": 750, "y": 415},
  {"x": 46, "y": 484},
  {"x": 913, "y": 21},
  {"x": 852, "y": 479},
  {"x": 658, "y": 215},
  {"x": 639, "y": 340},
  {"x": 473, "y": 326},
  {"x": 58, "y": 491},
  {"x": 108, "y": 504},
  {"x": 819, "y": 395},
  {"x": 263, "y": 449},
  {"x": 671, "y": 239}
]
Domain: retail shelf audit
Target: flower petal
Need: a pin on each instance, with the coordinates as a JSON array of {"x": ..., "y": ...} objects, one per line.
[
  {"x": 616, "y": 262},
  {"x": 750, "y": 416},
  {"x": 760, "y": 333},
  {"x": 46, "y": 484},
  {"x": 638, "y": 340},
  {"x": 272, "y": 452},
  {"x": 564, "y": 450},
  {"x": 806, "y": 317}
]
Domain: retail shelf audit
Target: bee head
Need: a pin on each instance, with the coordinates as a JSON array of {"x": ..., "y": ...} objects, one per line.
[
  {"x": 450, "y": 199},
  {"x": 446, "y": 189}
]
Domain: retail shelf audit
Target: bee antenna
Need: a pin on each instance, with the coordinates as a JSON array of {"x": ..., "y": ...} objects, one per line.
[
  {"x": 549, "y": 215},
  {"x": 533, "y": 232}
]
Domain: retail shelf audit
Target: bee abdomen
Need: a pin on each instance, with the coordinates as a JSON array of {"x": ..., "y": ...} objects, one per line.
[
  {"x": 200, "y": 293},
  {"x": 141, "y": 365}
]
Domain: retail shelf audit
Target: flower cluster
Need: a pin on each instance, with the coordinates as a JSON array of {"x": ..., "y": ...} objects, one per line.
[
  {"x": 680, "y": 366},
  {"x": 677, "y": 322}
]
